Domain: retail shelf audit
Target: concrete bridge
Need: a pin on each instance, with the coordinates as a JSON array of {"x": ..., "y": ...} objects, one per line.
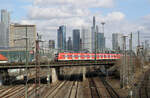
[
  {"x": 54, "y": 67},
  {"x": 57, "y": 64}
]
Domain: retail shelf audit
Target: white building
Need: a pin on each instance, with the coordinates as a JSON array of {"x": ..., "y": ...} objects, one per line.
[
  {"x": 117, "y": 41},
  {"x": 19, "y": 33},
  {"x": 86, "y": 36}
]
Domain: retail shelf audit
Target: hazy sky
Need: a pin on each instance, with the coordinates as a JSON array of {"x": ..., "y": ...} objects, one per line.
[{"x": 123, "y": 16}]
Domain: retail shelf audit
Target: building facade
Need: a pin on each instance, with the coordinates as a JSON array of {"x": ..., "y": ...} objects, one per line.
[
  {"x": 61, "y": 38},
  {"x": 3, "y": 36},
  {"x": 100, "y": 41},
  {"x": 69, "y": 44},
  {"x": 76, "y": 40},
  {"x": 117, "y": 41},
  {"x": 51, "y": 44},
  {"x": 5, "y": 17},
  {"x": 19, "y": 34},
  {"x": 4, "y": 28},
  {"x": 86, "y": 36},
  {"x": 93, "y": 29}
]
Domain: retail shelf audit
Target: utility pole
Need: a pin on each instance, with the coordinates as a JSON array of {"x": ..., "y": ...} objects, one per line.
[
  {"x": 124, "y": 62},
  {"x": 138, "y": 47},
  {"x": 138, "y": 38},
  {"x": 37, "y": 73},
  {"x": 131, "y": 67},
  {"x": 26, "y": 87},
  {"x": 37, "y": 79}
]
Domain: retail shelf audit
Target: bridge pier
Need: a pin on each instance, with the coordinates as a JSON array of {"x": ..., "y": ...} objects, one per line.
[
  {"x": 4, "y": 77},
  {"x": 1, "y": 79},
  {"x": 84, "y": 73},
  {"x": 55, "y": 74}
]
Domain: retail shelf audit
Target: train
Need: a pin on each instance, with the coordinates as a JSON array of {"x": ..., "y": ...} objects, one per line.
[{"x": 86, "y": 56}]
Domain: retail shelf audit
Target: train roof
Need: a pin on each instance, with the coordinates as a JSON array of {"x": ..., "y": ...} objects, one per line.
[{"x": 3, "y": 58}]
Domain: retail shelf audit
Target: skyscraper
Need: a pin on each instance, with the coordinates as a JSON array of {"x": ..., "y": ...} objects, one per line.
[
  {"x": 69, "y": 44},
  {"x": 117, "y": 41},
  {"x": 76, "y": 40},
  {"x": 86, "y": 36},
  {"x": 51, "y": 44},
  {"x": 5, "y": 17},
  {"x": 94, "y": 31},
  {"x": 61, "y": 37},
  {"x": 3, "y": 36},
  {"x": 4, "y": 31},
  {"x": 100, "y": 41}
]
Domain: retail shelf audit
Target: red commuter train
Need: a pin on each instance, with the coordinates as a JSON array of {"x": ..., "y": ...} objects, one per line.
[{"x": 86, "y": 56}]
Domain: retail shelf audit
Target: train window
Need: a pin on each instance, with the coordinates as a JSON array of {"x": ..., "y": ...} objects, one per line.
[
  {"x": 63, "y": 55},
  {"x": 76, "y": 56}
]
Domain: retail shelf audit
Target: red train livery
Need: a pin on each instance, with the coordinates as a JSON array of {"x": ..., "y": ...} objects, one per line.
[{"x": 87, "y": 56}]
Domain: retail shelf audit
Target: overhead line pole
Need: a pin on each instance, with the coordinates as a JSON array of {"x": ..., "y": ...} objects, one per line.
[
  {"x": 123, "y": 65},
  {"x": 26, "y": 86},
  {"x": 37, "y": 80},
  {"x": 131, "y": 67}
]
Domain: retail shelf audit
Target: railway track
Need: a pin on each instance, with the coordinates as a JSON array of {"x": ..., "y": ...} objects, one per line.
[
  {"x": 18, "y": 91},
  {"x": 69, "y": 88},
  {"x": 75, "y": 86},
  {"x": 9, "y": 92},
  {"x": 110, "y": 90},
  {"x": 51, "y": 92},
  {"x": 100, "y": 88},
  {"x": 144, "y": 90}
]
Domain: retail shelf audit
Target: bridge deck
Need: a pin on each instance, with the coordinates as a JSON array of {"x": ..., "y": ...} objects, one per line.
[{"x": 57, "y": 64}]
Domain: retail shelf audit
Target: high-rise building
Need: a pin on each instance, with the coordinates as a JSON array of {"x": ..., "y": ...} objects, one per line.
[
  {"x": 4, "y": 31},
  {"x": 61, "y": 38},
  {"x": 117, "y": 41},
  {"x": 86, "y": 36},
  {"x": 76, "y": 40},
  {"x": 94, "y": 31},
  {"x": 80, "y": 44},
  {"x": 3, "y": 36},
  {"x": 19, "y": 34},
  {"x": 100, "y": 41},
  {"x": 69, "y": 44},
  {"x": 51, "y": 44},
  {"x": 5, "y": 17}
]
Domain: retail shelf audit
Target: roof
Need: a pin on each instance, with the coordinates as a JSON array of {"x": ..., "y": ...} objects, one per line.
[{"x": 3, "y": 58}]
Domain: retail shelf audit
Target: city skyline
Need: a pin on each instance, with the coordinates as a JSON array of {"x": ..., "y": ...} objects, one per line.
[{"x": 116, "y": 14}]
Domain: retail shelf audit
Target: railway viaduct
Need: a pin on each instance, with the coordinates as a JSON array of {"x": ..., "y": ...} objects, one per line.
[{"x": 54, "y": 67}]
